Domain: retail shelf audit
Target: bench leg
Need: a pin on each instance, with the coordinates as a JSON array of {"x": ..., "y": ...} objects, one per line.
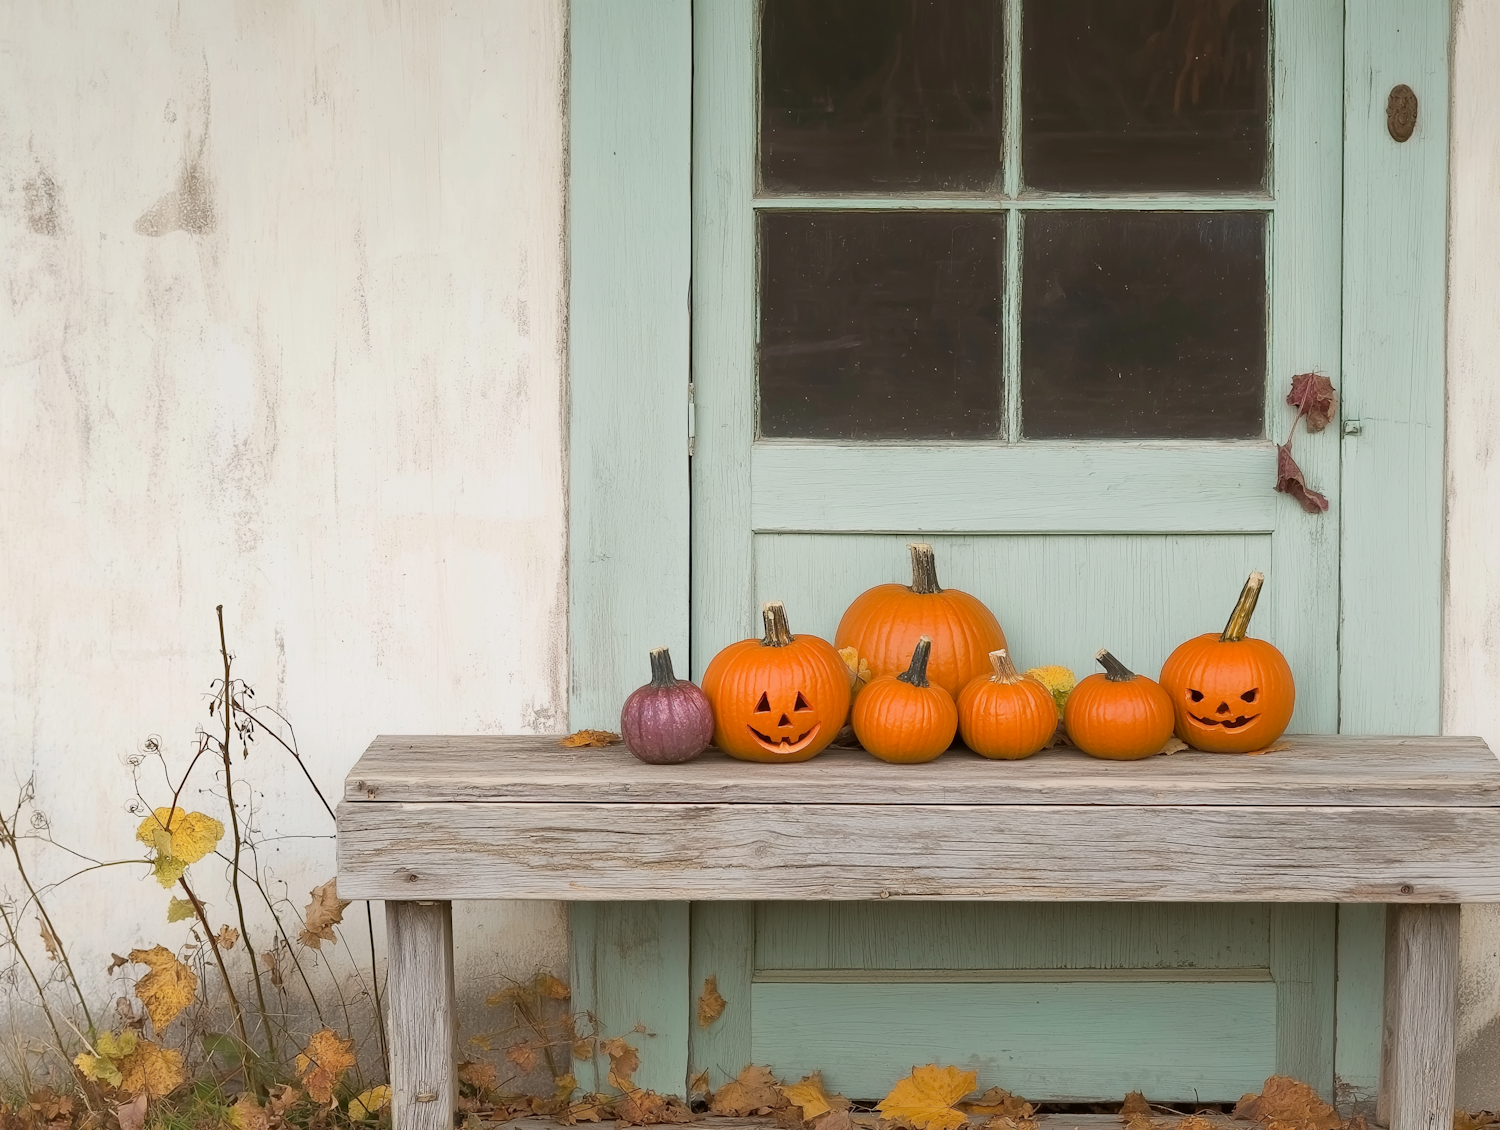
[
  {"x": 422, "y": 1021},
  {"x": 1421, "y": 1006}
]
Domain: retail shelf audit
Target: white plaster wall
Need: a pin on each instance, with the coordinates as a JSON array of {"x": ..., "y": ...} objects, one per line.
[
  {"x": 321, "y": 384},
  {"x": 1471, "y": 624}
]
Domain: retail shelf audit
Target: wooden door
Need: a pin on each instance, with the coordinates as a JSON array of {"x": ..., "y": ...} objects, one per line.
[{"x": 999, "y": 313}]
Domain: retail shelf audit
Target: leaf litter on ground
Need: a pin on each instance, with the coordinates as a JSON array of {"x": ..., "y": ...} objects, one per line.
[{"x": 927, "y": 1097}]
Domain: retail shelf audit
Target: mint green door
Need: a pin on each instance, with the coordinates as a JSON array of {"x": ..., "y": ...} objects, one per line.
[{"x": 1068, "y": 378}]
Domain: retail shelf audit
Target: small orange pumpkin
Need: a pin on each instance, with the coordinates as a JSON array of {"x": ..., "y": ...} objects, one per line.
[
  {"x": 1118, "y": 715},
  {"x": 1231, "y": 694},
  {"x": 778, "y": 698},
  {"x": 885, "y": 622},
  {"x": 1006, "y": 714},
  {"x": 904, "y": 718}
]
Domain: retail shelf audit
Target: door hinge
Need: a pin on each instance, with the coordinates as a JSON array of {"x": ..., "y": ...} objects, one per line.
[{"x": 692, "y": 421}]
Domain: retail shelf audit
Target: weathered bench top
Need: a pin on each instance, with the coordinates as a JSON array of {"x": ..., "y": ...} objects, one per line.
[{"x": 1346, "y": 819}]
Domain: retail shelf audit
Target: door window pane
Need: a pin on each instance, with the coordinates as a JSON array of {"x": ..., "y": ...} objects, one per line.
[
  {"x": 1144, "y": 94},
  {"x": 880, "y": 325},
  {"x": 1143, "y": 325},
  {"x": 880, "y": 95}
]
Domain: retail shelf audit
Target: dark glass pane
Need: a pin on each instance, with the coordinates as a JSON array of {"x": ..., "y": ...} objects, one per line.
[
  {"x": 880, "y": 325},
  {"x": 862, "y": 95},
  {"x": 1144, "y": 94},
  {"x": 1144, "y": 324}
]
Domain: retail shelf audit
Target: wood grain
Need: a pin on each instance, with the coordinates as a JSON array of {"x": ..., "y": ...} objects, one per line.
[
  {"x": 1286, "y": 853},
  {"x": 629, "y": 217},
  {"x": 1334, "y": 770},
  {"x": 1421, "y": 1008},
  {"x": 423, "y": 1020},
  {"x": 1395, "y": 253}
]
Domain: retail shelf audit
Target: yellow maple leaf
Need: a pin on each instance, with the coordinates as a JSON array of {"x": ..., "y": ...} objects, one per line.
[
  {"x": 110, "y": 1050},
  {"x": 167, "y": 989},
  {"x": 370, "y": 1103},
  {"x": 178, "y": 909},
  {"x": 154, "y": 1070},
  {"x": 623, "y": 1061},
  {"x": 247, "y": 1114},
  {"x": 187, "y": 836},
  {"x": 810, "y": 1096},
  {"x": 580, "y": 738},
  {"x": 322, "y": 1064},
  {"x": 926, "y": 1097}
]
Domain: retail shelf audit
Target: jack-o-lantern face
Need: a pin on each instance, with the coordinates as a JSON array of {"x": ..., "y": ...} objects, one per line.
[
  {"x": 783, "y": 731},
  {"x": 781, "y": 698},
  {"x": 1231, "y": 694}
]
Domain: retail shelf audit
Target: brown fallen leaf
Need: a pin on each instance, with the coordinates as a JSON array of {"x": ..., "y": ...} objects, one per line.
[
  {"x": 1134, "y": 1106},
  {"x": 1286, "y": 1101},
  {"x": 1316, "y": 402},
  {"x": 323, "y": 1063},
  {"x": 49, "y": 940},
  {"x": 271, "y": 959},
  {"x": 1141, "y": 1122},
  {"x": 1289, "y": 480},
  {"x": 581, "y": 738},
  {"x": 1174, "y": 745},
  {"x": 283, "y": 1097},
  {"x": 1464, "y": 1120},
  {"x": 246, "y": 1114},
  {"x": 811, "y": 1097},
  {"x": 835, "y": 1120},
  {"x": 999, "y": 1101},
  {"x": 132, "y": 1115},
  {"x": 710, "y": 1003},
  {"x": 152, "y": 1070},
  {"x": 552, "y": 987},
  {"x": 116, "y": 962},
  {"x": 1274, "y": 747},
  {"x": 523, "y": 1056},
  {"x": 226, "y": 937},
  {"x": 926, "y": 1097},
  {"x": 698, "y": 1084},
  {"x": 623, "y": 1061},
  {"x": 754, "y": 1090},
  {"x": 637, "y": 1107},
  {"x": 477, "y": 1074},
  {"x": 167, "y": 989},
  {"x": 323, "y": 913}
]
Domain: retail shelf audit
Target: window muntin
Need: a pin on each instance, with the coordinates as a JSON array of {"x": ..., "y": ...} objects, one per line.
[{"x": 1156, "y": 327}]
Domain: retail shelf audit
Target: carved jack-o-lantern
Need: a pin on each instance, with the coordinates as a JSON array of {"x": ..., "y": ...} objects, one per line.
[
  {"x": 1230, "y": 694},
  {"x": 779, "y": 698}
]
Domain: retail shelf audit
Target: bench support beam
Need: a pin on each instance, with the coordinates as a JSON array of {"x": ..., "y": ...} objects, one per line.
[
  {"x": 1421, "y": 1006},
  {"x": 421, "y": 1017}
]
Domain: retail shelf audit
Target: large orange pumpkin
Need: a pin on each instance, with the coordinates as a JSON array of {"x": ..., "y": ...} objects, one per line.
[
  {"x": 1119, "y": 715},
  {"x": 1006, "y": 714},
  {"x": 884, "y": 623},
  {"x": 779, "y": 698},
  {"x": 1231, "y": 694},
  {"x": 904, "y": 718}
]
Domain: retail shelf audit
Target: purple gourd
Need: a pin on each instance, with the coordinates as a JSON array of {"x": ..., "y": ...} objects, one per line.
[{"x": 668, "y": 720}]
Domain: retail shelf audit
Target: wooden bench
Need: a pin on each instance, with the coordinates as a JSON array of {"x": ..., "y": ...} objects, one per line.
[{"x": 1409, "y": 822}]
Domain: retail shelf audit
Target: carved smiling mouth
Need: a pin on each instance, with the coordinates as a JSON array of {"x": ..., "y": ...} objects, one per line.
[
  {"x": 786, "y": 745},
  {"x": 1227, "y": 723}
]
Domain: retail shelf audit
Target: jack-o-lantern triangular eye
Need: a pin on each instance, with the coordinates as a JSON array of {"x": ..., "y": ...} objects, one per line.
[
  {"x": 764, "y": 705},
  {"x": 1249, "y": 696},
  {"x": 1197, "y": 696},
  {"x": 801, "y": 703}
]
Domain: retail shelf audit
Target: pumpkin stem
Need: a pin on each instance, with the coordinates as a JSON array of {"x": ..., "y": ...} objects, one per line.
[
  {"x": 916, "y": 674},
  {"x": 1005, "y": 670},
  {"x": 1114, "y": 670},
  {"x": 923, "y": 569},
  {"x": 1239, "y": 619},
  {"x": 778, "y": 631},
  {"x": 661, "y": 668}
]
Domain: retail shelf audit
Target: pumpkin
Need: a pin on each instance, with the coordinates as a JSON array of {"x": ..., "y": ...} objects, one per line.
[
  {"x": 1118, "y": 715},
  {"x": 1232, "y": 694},
  {"x": 668, "y": 720},
  {"x": 905, "y": 718},
  {"x": 885, "y": 622},
  {"x": 1006, "y": 714},
  {"x": 778, "y": 698}
]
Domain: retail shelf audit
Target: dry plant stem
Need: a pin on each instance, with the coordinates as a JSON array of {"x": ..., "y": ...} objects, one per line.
[
  {"x": 15, "y": 943},
  {"x": 778, "y": 631},
  {"x": 385, "y": 1055},
  {"x": 213, "y": 941},
  {"x": 1239, "y": 619},
  {"x": 9, "y": 834},
  {"x": 1114, "y": 670},
  {"x": 234, "y": 824}
]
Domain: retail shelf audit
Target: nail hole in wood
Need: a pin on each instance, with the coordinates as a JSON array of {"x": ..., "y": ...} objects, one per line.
[
  {"x": 1406, "y": 888},
  {"x": 1401, "y": 112}
]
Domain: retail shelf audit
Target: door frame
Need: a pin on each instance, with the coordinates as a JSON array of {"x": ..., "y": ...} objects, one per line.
[{"x": 631, "y": 425}]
